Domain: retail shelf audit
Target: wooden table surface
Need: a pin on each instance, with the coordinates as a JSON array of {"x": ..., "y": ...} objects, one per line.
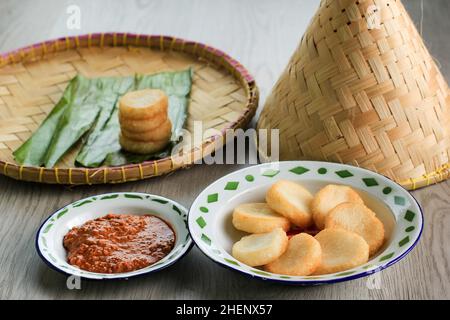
[{"x": 262, "y": 35}]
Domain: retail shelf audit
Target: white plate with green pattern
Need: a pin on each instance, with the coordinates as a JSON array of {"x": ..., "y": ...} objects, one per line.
[
  {"x": 49, "y": 238},
  {"x": 210, "y": 215}
]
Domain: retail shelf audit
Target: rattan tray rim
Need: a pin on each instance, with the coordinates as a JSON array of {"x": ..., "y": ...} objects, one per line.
[{"x": 113, "y": 39}]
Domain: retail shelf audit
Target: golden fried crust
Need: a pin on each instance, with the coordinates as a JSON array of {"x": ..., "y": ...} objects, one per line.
[
  {"x": 140, "y": 147},
  {"x": 359, "y": 219},
  {"x": 260, "y": 249},
  {"x": 328, "y": 198},
  {"x": 258, "y": 218},
  {"x": 302, "y": 257},
  {"x": 292, "y": 201},
  {"x": 143, "y": 125},
  {"x": 341, "y": 250},
  {"x": 143, "y": 104},
  {"x": 163, "y": 132}
]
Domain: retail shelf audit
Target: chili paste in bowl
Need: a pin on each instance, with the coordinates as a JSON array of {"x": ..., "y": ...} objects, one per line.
[
  {"x": 119, "y": 243},
  {"x": 114, "y": 236}
]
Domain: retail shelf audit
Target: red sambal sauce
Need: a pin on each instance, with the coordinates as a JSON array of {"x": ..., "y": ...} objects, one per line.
[{"x": 119, "y": 243}]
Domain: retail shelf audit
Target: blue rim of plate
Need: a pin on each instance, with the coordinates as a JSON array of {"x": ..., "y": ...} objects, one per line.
[
  {"x": 315, "y": 282},
  {"x": 118, "y": 278}
]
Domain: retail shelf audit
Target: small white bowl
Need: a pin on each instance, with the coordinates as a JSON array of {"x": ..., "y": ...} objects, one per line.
[
  {"x": 49, "y": 238},
  {"x": 212, "y": 231}
]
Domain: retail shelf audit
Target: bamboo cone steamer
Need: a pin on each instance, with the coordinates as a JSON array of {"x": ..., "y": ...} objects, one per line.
[{"x": 361, "y": 88}]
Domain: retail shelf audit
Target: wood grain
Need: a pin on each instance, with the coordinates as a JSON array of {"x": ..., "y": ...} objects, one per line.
[{"x": 262, "y": 35}]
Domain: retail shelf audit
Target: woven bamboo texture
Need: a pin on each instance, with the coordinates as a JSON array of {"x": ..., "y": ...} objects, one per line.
[
  {"x": 361, "y": 88},
  {"x": 224, "y": 96}
]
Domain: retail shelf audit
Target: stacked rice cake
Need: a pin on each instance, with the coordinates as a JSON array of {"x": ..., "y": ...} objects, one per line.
[{"x": 145, "y": 126}]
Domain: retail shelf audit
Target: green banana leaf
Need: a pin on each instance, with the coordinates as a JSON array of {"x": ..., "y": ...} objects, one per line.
[
  {"x": 33, "y": 151},
  {"x": 95, "y": 147},
  {"x": 88, "y": 111},
  {"x": 177, "y": 85}
]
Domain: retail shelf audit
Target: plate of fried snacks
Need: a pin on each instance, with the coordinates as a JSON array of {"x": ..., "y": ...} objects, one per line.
[
  {"x": 305, "y": 222},
  {"x": 114, "y": 236},
  {"x": 116, "y": 107}
]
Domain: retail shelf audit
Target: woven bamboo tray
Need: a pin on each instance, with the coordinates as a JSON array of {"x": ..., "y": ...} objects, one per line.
[
  {"x": 224, "y": 96},
  {"x": 362, "y": 89}
]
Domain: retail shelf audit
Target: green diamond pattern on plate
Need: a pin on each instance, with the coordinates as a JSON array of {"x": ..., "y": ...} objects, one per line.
[
  {"x": 249, "y": 178},
  {"x": 201, "y": 222},
  {"x": 62, "y": 213},
  {"x": 270, "y": 173},
  {"x": 44, "y": 241},
  {"x": 132, "y": 196},
  {"x": 76, "y": 205},
  {"x": 47, "y": 228},
  {"x": 370, "y": 182},
  {"x": 409, "y": 215},
  {"x": 344, "y": 174},
  {"x": 261, "y": 273},
  {"x": 387, "y": 190},
  {"x": 204, "y": 209},
  {"x": 160, "y": 201},
  {"x": 231, "y": 261},
  {"x": 399, "y": 200},
  {"x": 387, "y": 257},
  {"x": 111, "y": 196},
  {"x": 213, "y": 197},
  {"x": 299, "y": 170},
  {"x": 403, "y": 241},
  {"x": 322, "y": 171},
  {"x": 52, "y": 257},
  {"x": 409, "y": 229},
  {"x": 176, "y": 209},
  {"x": 206, "y": 239},
  {"x": 232, "y": 185}
]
